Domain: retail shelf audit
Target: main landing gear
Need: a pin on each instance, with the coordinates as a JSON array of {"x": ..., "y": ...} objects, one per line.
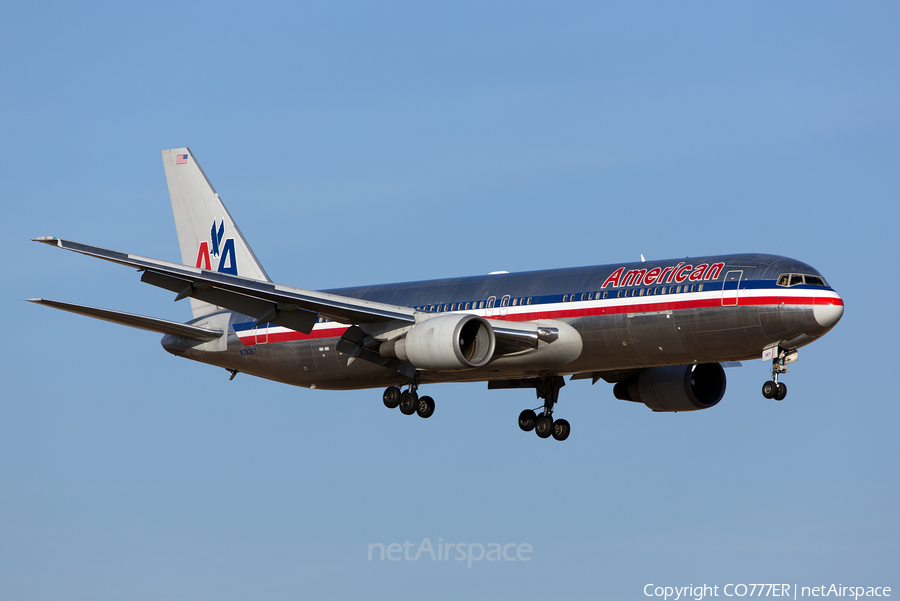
[
  {"x": 544, "y": 425},
  {"x": 409, "y": 402},
  {"x": 773, "y": 389}
]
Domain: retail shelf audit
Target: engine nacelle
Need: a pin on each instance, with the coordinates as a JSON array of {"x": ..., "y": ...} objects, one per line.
[
  {"x": 445, "y": 342},
  {"x": 676, "y": 388}
]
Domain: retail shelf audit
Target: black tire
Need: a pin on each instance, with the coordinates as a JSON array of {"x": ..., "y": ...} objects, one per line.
[
  {"x": 409, "y": 402},
  {"x": 391, "y": 397},
  {"x": 543, "y": 426},
  {"x": 781, "y": 392},
  {"x": 561, "y": 429},
  {"x": 426, "y": 407},
  {"x": 769, "y": 389},
  {"x": 527, "y": 419}
]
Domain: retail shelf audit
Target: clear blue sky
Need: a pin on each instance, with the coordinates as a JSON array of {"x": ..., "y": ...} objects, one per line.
[{"x": 360, "y": 143}]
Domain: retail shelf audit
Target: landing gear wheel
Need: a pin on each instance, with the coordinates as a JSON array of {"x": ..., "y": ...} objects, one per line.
[
  {"x": 543, "y": 426},
  {"x": 770, "y": 389},
  {"x": 391, "y": 397},
  {"x": 781, "y": 392},
  {"x": 527, "y": 419},
  {"x": 409, "y": 402},
  {"x": 561, "y": 429},
  {"x": 425, "y": 407}
]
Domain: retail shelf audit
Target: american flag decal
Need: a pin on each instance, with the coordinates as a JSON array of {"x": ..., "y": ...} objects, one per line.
[{"x": 181, "y": 159}]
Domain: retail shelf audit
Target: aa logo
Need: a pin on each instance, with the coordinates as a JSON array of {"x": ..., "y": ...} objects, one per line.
[{"x": 215, "y": 248}]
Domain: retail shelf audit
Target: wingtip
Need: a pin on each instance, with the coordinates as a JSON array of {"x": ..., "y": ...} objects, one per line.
[{"x": 51, "y": 240}]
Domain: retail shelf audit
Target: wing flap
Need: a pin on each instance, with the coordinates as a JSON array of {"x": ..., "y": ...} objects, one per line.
[
  {"x": 294, "y": 318},
  {"x": 152, "y": 324}
]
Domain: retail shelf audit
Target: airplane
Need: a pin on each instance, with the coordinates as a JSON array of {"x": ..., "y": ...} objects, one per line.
[{"x": 659, "y": 331}]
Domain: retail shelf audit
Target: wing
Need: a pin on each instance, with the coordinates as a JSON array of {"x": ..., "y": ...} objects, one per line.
[
  {"x": 153, "y": 324},
  {"x": 293, "y": 308}
]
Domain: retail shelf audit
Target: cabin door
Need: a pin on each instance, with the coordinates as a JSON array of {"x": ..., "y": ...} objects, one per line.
[{"x": 731, "y": 288}]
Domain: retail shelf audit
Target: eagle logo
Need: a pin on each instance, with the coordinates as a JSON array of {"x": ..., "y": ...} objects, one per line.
[{"x": 219, "y": 248}]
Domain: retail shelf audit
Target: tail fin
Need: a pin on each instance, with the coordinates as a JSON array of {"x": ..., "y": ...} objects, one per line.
[{"x": 207, "y": 235}]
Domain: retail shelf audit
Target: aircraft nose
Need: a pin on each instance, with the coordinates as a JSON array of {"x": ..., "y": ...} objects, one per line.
[{"x": 828, "y": 311}]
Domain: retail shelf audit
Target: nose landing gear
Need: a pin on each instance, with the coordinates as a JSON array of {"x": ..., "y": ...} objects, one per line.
[{"x": 773, "y": 389}]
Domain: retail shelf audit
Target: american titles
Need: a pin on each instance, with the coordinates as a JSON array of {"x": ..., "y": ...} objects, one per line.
[{"x": 664, "y": 275}]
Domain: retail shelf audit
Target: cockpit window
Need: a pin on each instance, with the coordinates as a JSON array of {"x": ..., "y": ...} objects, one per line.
[
  {"x": 795, "y": 279},
  {"x": 814, "y": 280}
]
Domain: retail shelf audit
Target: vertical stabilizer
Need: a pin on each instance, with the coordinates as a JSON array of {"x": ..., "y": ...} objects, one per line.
[{"x": 207, "y": 235}]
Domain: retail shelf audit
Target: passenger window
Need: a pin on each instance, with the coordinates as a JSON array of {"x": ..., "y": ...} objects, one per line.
[
  {"x": 678, "y": 290},
  {"x": 453, "y": 307},
  {"x": 481, "y": 305},
  {"x": 468, "y": 305},
  {"x": 590, "y": 296},
  {"x": 796, "y": 279},
  {"x": 515, "y": 302},
  {"x": 583, "y": 295},
  {"x": 565, "y": 297},
  {"x": 700, "y": 288},
  {"x": 604, "y": 295},
  {"x": 529, "y": 300}
]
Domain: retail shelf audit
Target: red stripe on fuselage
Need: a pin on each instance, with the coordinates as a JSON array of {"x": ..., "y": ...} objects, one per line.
[{"x": 645, "y": 307}]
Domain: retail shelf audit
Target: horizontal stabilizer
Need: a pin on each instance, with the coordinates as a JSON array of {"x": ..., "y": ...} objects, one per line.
[{"x": 153, "y": 324}]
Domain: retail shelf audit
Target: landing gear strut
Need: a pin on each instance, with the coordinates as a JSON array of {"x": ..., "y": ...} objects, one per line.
[
  {"x": 544, "y": 426},
  {"x": 409, "y": 402},
  {"x": 773, "y": 389}
]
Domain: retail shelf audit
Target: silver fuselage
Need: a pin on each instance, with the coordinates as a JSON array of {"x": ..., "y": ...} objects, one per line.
[{"x": 624, "y": 324}]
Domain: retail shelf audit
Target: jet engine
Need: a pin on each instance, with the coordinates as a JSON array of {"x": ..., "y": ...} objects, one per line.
[
  {"x": 676, "y": 388},
  {"x": 445, "y": 342}
]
